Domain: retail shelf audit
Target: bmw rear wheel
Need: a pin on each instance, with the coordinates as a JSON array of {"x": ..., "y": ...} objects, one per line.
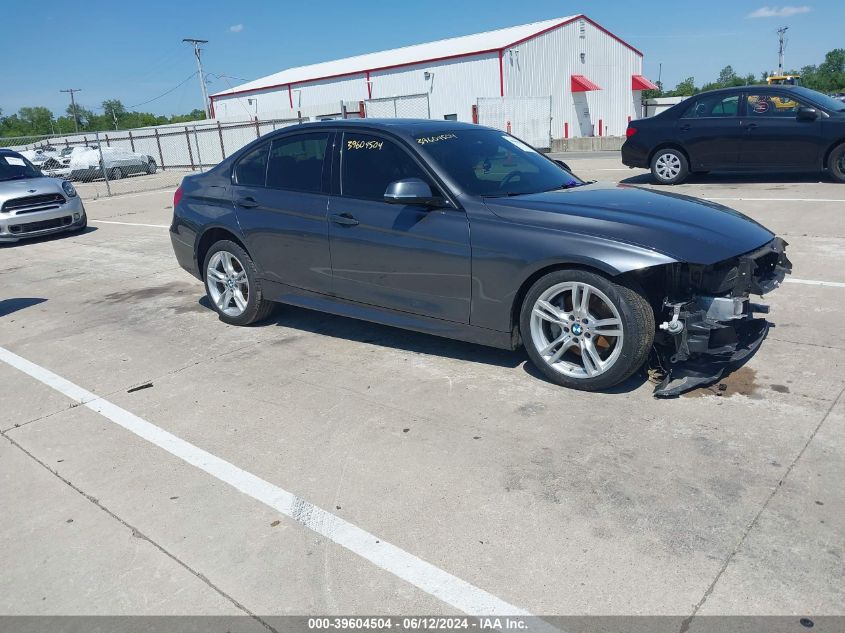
[
  {"x": 232, "y": 285},
  {"x": 584, "y": 331},
  {"x": 669, "y": 166}
]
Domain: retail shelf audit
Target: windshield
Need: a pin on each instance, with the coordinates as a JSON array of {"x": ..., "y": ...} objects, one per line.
[
  {"x": 828, "y": 103},
  {"x": 16, "y": 167},
  {"x": 491, "y": 163}
]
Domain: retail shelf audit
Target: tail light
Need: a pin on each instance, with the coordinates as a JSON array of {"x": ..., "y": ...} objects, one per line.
[
  {"x": 177, "y": 197},
  {"x": 630, "y": 131}
]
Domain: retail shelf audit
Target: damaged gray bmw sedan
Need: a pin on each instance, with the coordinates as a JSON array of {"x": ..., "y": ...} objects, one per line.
[{"x": 466, "y": 232}]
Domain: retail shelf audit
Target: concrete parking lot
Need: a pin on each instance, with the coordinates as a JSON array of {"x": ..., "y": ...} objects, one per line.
[{"x": 444, "y": 476}]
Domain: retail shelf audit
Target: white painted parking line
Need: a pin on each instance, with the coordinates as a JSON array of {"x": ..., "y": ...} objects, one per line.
[
  {"x": 121, "y": 196},
  {"x": 781, "y": 199},
  {"x": 157, "y": 226},
  {"x": 425, "y": 576},
  {"x": 814, "y": 282}
]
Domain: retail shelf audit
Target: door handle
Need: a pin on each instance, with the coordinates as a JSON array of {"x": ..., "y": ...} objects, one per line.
[
  {"x": 344, "y": 219},
  {"x": 247, "y": 203},
  {"x": 684, "y": 128},
  {"x": 751, "y": 126}
]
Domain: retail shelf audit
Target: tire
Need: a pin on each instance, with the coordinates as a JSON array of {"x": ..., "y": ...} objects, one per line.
[
  {"x": 151, "y": 166},
  {"x": 608, "y": 301},
  {"x": 255, "y": 307},
  {"x": 116, "y": 173},
  {"x": 669, "y": 166},
  {"x": 836, "y": 163}
]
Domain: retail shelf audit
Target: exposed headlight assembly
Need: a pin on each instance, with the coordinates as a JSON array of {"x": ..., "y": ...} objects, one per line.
[{"x": 69, "y": 189}]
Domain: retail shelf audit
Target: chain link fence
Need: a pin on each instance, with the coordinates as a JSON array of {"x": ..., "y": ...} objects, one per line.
[
  {"x": 404, "y": 107},
  {"x": 528, "y": 118}
]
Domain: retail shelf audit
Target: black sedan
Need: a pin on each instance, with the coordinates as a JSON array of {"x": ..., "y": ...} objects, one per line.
[
  {"x": 753, "y": 128},
  {"x": 467, "y": 232}
]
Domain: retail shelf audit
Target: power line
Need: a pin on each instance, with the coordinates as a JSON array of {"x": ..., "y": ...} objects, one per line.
[{"x": 179, "y": 85}]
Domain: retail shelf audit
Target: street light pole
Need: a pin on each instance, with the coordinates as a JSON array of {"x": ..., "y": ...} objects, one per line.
[
  {"x": 781, "y": 47},
  {"x": 73, "y": 106},
  {"x": 203, "y": 88}
]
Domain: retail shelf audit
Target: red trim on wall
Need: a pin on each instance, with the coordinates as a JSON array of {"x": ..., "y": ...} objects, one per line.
[
  {"x": 290, "y": 96},
  {"x": 500, "y": 51},
  {"x": 211, "y": 104},
  {"x": 369, "y": 86},
  {"x": 501, "y": 74}
]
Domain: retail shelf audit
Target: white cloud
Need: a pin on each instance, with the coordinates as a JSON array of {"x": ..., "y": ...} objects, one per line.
[
  {"x": 778, "y": 12},
  {"x": 236, "y": 28}
]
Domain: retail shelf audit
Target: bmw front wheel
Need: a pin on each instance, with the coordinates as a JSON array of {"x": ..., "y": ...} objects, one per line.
[{"x": 584, "y": 331}]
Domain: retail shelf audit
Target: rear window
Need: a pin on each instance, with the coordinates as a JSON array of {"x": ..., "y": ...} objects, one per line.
[
  {"x": 296, "y": 162},
  {"x": 713, "y": 106}
]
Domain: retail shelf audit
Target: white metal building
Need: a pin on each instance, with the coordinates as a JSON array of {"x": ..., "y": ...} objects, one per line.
[{"x": 566, "y": 77}]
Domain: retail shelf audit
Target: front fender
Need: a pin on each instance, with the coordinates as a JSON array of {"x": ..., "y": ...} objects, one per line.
[{"x": 506, "y": 256}]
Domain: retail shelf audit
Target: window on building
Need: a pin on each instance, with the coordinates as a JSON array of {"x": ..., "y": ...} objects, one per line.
[
  {"x": 251, "y": 170},
  {"x": 296, "y": 162},
  {"x": 450, "y": 117},
  {"x": 370, "y": 163}
]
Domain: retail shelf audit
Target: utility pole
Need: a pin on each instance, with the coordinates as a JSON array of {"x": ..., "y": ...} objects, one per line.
[
  {"x": 73, "y": 106},
  {"x": 781, "y": 47},
  {"x": 203, "y": 88}
]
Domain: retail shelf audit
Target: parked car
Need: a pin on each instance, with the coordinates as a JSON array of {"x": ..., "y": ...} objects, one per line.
[
  {"x": 752, "y": 128},
  {"x": 86, "y": 165},
  {"x": 32, "y": 205},
  {"x": 39, "y": 155},
  {"x": 467, "y": 232}
]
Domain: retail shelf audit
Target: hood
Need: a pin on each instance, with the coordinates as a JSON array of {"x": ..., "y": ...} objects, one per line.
[
  {"x": 687, "y": 229},
  {"x": 28, "y": 187}
]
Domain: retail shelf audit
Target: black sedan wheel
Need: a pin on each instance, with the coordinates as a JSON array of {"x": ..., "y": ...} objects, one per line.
[
  {"x": 232, "y": 284},
  {"x": 836, "y": 163},
  {"x": 584, "y": 331},
  {"x": 151, "y": 166},
  {"x": 669, "y": 166}
]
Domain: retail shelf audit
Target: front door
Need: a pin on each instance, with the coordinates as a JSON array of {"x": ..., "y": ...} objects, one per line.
[
  {"x": 281, "y": 196},
  {"x": 774, "y": 137},
  {"x": 402, "y": 257},
  {"x": 710, "y": 130}
]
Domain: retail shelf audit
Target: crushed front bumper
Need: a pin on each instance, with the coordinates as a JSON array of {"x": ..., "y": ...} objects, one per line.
[{"x": 713, "y": 330}]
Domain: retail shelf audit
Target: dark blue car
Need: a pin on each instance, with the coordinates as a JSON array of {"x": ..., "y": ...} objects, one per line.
[{"x": 466, "y": 232}]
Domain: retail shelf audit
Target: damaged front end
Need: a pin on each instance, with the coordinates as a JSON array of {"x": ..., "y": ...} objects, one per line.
[{"x": 710, "y": 327}]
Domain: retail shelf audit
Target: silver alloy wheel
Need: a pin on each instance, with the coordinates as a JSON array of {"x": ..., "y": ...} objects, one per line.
[
  {"x": 228, "y": 284},
  {"x": 576, "y": 329},
  {"x": 116, "y": 173},
  {"x": 667, "y": 166}
]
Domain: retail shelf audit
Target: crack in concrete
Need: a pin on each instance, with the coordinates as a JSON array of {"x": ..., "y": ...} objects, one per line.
[
  {"x": 140, "y": 535},
  {"x": 685, "y": 625}
]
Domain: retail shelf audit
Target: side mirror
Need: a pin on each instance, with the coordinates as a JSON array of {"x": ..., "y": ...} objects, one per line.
[
  {"x": 564, "y": 165},
  {"x": 807, "y": 114},
  {"x": 411, "y": 191}
]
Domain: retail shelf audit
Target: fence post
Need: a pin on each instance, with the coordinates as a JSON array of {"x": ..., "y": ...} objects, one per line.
[
  {"x": 131, "y": 141},
  {"x": 107, "y": 140},
  {"x": 197, "y": 141},
  {"x": 160, "y": 155},
  {"x": 103, "y": 164},
  {"x": 190, "y": 151},
  {"x": 257, "y": 128},
  {"x": 220, "y": 133}
]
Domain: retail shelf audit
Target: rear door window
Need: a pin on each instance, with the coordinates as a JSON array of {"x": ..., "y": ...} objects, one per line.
[
  {"x": 251, "y": 170},
  {"x": 297, "y": 162},
  {"x": 718, "y": 106}
]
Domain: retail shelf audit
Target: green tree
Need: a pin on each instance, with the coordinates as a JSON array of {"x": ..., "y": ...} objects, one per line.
[
  {"x": 37, "y": 120},
  {"x": 686, "y": 88},
  {"x": 113, "y": 111}
]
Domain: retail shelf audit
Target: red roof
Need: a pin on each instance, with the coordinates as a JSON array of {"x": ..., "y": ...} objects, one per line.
[
  {"x": 581, "y": 84},
  {"x": 638, "y": 82}
]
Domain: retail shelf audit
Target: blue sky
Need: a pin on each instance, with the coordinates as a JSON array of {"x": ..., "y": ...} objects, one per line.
[{"x": 133, "y": 51}]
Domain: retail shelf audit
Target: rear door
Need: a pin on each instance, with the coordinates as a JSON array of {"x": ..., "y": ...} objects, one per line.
[
  {"x": 281, "y": 196},
  {"x": 710, "y": 130},
  {"x": 402, "y": 257},
  {"x": 775, "y": 138}
]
